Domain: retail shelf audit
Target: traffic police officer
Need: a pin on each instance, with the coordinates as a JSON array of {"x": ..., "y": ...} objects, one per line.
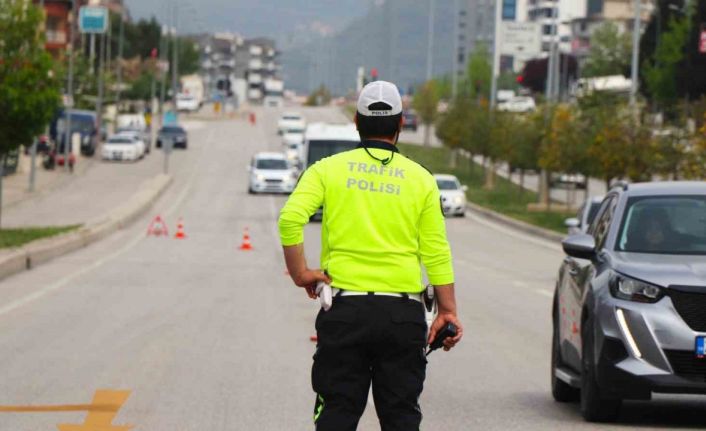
[{"x": 382, "y": 217}]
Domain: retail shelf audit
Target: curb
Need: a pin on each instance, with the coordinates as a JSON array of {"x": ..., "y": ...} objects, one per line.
[
  {"x": 42, "y": 251},
  {"x": 516, "y": 224}
]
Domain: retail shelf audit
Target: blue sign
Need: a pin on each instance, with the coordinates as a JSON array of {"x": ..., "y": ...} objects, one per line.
[
  {"x": 93, "y": 19},
  {"x": 701, "y": 347}
]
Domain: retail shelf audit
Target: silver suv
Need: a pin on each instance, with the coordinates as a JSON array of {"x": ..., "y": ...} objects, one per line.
[{"x": 629, "y": 313}]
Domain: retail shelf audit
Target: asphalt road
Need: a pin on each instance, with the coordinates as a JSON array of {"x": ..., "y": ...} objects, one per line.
[{"x": 207, "y": 337}]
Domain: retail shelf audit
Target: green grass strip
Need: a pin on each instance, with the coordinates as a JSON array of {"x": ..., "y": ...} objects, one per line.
[
  {"x": 16, "y": 237},
  {"x": 506, "y": 198}
]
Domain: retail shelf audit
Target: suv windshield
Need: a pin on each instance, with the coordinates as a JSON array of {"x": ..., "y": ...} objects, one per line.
[
  {"x": 172, "y": 130},
  {"x": 664, "y": 225},
  {"x": 447, "y": 184},
  {"x": 272, "y": 164}
]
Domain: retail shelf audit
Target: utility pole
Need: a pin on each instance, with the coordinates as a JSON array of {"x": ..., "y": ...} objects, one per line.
[
  {"x": 454, "y": 62},
  {"x": 430, "y": 38},
  {"x": 175, "y": 57},
  {"x": 496, "y": 55},
  {"x": 163, "y": 73},
  {"x": 70, "y": 86},
  {"x": 549, "y": 94},
  {"x": 121, "y": 41},
  {"x": 637, "y": 25},
  {"x": 33, "y": 148},
  {"x": 101, "y": 82}
]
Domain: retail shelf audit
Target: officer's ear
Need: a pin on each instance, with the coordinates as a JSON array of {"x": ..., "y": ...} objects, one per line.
[
  {"x": 401, "y": 122},
  {"x": 355, "y": 120}
]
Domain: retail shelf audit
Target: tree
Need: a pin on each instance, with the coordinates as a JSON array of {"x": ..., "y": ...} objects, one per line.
[
  {"x": 479, "y": 73},
  {"x": 320, "y": 96},
  {"x": 689, "y": 74},
  {"x": 452, "y": 127},
  {"x": 29, "y": 82},
  {"x": 660, "y": 72},
  {"x": 426, "y": 102},
  {"x": 609, "y": 53}
]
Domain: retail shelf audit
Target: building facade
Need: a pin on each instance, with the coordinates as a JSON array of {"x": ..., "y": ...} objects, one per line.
[
  {"x": 56, "y": 26},
  {"x": 234, "y": 66},
  {"x": 559, "y": 12},
  {"x": 619, "y": 12}
]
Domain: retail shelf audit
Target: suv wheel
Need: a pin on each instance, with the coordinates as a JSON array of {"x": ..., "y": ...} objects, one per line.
[
  {"x": 595, "y": 406},
  {"x": 561, "y": 391}
]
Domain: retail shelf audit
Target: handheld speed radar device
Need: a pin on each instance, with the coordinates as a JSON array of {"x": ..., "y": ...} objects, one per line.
[{"x": 447, "y": 331}]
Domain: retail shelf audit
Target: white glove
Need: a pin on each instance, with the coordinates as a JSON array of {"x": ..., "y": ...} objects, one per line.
[{"x": 325, "y": 295}]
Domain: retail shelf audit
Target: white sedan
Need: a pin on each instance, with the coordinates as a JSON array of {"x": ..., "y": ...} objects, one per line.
[
  {"x": 291, "y": 121},
  {"x": 122, "y": 147},
  {"x": 271, "y": 173},
  {"x": 138, "y": 137},
  {"x": 453, "y": 195}
]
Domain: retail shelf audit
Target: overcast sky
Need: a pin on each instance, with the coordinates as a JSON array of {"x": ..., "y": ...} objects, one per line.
[{"x": 251, "y": 18}]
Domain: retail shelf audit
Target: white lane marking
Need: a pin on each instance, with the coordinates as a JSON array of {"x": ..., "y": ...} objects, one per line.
[
  {"x": 7, "y": 308},
  {"x": 543, "y": 292},
  {"x": 514, "y": 233}
]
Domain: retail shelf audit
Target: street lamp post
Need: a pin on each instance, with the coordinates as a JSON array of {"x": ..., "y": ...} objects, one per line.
[
  {"x": 496, "y": 55},
  {"x": 121, "y": 38},
  {"x": 635, "y": 53},
  {"x": 33, "y": 148},
  {"x": 70, "y": 87},
  {"x": 430, "y": 38}
]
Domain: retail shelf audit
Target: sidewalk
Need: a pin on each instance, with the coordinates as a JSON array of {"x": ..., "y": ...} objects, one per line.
[
  {"x": 16, "y": 186},
  {"x": 95, "y": 189}
]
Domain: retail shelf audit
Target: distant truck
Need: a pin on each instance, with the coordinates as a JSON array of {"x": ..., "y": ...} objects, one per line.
[
  {"x": 617, "y": 84},
  {"x": 274, "y": 93},
  {"x": 192, "y": 88}
]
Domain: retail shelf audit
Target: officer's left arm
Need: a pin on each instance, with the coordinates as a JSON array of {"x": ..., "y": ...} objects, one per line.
[{"x": 307, "y": 197}]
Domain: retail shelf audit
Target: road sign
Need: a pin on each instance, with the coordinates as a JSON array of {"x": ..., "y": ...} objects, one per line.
[
  {"x": 702, "y": 44},
  {"x": 93, "y": 19},
  {"x": 522, "y": 39}
]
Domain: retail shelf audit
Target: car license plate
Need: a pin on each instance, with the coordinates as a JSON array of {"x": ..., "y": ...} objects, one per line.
[{"x": 701, "y": 347}]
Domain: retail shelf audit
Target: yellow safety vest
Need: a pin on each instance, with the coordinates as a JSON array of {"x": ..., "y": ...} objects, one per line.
[{"x": 380, "y": 221}]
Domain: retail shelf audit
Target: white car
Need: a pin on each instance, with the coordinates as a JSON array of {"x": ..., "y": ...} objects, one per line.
[
  {"x": 271, "y": 173},
  {"x": 138, "y": 137},
  {"x": 122, "y": 147},
  {"x": 293, "y": 143},
  {"x": 518, "y": 104},
  {"x": 453, "y": 195},
  {"x": 290, "y": 121},
  {"x": 187, "y": 103}
]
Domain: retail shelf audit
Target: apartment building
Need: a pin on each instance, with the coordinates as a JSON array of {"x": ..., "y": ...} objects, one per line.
[
  {"x": 619, "y": 12},
  {"x": 559, "y": 12},
  {"x": 241, "y": 66}
]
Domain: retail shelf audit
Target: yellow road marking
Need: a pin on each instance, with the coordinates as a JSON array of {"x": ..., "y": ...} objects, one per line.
[{"x": 101, "y": 412}]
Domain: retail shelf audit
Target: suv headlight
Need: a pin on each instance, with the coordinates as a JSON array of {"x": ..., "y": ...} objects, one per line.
[
  {"x": 458, "y": 200},
  {"x": 629, "y": 289}
]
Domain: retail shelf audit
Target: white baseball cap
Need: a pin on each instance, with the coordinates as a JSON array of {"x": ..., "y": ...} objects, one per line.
[{"x": 380, "y": 92}]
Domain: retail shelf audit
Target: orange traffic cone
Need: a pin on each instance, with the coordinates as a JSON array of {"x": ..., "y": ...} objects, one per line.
[
  {"x": 245, "y": 245},
  {"x": 180, "y": 230}
]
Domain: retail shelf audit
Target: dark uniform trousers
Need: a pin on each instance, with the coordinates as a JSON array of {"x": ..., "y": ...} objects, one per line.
[{"x": 363, "y": 340}]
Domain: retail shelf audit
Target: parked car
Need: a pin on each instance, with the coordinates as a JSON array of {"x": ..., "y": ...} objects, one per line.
[
  {"x": 140, "y": 134},
  {"x": 122, "y": 148},
  {"x": 453, "y": 195},
  {"x": 410, "y": 121},
  {"x": 84, "y": 131},
  {"x": 139, "y": 137},
  {"x": 174, "y": 132},
  {"x": 271, "y": 173},
  {"x": 584, "y": 216},
  {"x": 290, "y": 121},
  {"x": 629, "y": 311}
]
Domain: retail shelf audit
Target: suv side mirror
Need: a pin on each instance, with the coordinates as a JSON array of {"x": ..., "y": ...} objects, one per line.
[
  {"x": 581, "y": 246},
  {"x": 572, "y": 223},
  {"x": 464, "y": 188}
]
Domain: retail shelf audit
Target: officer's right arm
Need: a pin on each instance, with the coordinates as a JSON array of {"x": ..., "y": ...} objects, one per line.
[{"x": 307, "y": 197}]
